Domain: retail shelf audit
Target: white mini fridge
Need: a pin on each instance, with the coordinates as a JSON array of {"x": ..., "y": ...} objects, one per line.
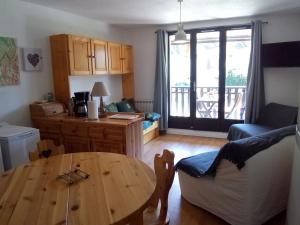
[{"x": 16, "y": 142}]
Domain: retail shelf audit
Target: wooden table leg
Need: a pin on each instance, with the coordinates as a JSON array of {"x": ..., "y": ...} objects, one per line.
[{"x": 138, "y": 220}]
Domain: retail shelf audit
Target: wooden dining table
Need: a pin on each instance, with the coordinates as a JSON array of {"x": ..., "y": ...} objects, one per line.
[{"x": 117, "y": 191}]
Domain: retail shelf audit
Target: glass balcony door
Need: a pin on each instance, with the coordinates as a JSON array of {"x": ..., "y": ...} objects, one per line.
[
  {"x": 180, "y": 78},
  {"x": 238, "y": 45},
  {"x": 207, "y": 75},
  {"x": 208, "y": 79}
]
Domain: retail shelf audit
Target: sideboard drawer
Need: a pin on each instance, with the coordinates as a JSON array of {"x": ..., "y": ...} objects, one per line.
[
  {"x": 106, "y": 133},
  {"x": 75, "y": 129},
  {"x": 113, "y": 133},
  {"x": 96, "y": 132}
]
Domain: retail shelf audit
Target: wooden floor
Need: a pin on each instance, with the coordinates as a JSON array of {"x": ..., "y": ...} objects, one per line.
[{"x": 182, "y": 212}]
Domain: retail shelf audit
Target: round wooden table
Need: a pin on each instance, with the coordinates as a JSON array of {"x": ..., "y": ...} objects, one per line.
[{"x": 117, "y": 191}]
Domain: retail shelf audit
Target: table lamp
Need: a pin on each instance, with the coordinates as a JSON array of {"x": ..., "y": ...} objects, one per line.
[{"x": 100, "y": 90}]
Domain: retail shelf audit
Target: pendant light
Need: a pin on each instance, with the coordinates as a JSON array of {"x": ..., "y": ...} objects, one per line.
[{"x": 180, "y": 36}]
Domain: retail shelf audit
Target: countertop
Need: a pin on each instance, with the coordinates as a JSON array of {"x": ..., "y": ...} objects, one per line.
[{"x": 84, "y": 120}]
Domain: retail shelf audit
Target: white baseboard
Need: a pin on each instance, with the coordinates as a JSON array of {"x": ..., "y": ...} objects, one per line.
[{"x": 212, "y": 134}]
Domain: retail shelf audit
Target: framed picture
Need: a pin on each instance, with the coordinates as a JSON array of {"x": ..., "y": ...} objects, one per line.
[
  {"x": 32, "y": 59},
  {"x": 9, "y": 66}
]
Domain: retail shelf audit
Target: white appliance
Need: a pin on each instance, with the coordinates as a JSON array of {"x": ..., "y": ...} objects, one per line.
[
  {"x": 16, "y": 142},
  {"x": 293, "y": 213}
]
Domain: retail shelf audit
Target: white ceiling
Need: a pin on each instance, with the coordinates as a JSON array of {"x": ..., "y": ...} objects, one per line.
[{"x": 167, "y": 11}]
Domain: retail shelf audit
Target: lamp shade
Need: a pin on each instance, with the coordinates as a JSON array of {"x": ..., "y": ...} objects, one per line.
[
  {"x": 99, "y": 89},
  {"x": 180, "y": 36}
]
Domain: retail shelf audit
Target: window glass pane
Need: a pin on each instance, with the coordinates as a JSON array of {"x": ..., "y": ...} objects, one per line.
[
  {"x": 207, "y": 78},
  {"x": 238, "y": 47},
  {"x": 179, "y": 78}
]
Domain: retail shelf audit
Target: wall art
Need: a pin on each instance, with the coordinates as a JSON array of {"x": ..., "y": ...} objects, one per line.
[
  {"x": 32, "y": 59},
  {"x": 9, "y": 66}
]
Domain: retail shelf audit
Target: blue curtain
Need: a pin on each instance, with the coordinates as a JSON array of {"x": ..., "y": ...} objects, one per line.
[
  {"x": 255, "y": 98},
  {"x": 161, "y": 78}
]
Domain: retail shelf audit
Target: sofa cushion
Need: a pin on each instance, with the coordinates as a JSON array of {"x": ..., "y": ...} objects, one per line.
[
  {"x": 112, "y": 107},
  {"x": 130, "y": 101},
  {"x": 125, "y": 106},
  {"x": 239, "y": 131},
  {"x": 276, "y": 115}
]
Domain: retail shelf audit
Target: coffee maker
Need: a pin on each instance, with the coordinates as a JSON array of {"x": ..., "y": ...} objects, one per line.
[{"x": 80, "y": 103}]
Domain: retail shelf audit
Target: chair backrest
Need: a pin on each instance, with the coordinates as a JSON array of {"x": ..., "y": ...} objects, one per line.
[
  {"x": 45, "y": 149},
  {"x": 164, "y": 171}
]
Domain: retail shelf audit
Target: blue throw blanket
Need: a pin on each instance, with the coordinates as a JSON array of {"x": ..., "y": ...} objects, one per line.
[{"x": 238, "y": 152}]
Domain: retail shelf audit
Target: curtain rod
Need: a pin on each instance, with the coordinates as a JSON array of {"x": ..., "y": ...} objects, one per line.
[
  {"x": 263, "y": 22},
  {"x": 233, "y": 25},
  {"x": 246, "y": 24}
]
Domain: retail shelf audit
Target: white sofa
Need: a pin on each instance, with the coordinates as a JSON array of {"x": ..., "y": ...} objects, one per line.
[{"x": 249, "y": 196}]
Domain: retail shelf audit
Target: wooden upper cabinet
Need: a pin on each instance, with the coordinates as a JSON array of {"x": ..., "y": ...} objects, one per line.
[
  {"x": 127, "y": 59},
  {"x": 80, "y": 55},
  {"x": 75, "y": 55},
  {"x": 114, "y": 58},
  {"x": 99, "y": 56}
]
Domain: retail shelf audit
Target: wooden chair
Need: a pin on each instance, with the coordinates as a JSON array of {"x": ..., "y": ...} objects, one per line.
[
  {"x": 165, "y": 171},
  {"x": 45, "y": 149}
]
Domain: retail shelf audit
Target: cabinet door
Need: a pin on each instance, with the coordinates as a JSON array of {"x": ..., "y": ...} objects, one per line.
[
  {"x": 115, "y": 62},
  {"x": 127, "y": 59},
  {"x": 99, "y": 57},
  {"x": 80, "y": 55},
  {"x": 76, "y": 144}
]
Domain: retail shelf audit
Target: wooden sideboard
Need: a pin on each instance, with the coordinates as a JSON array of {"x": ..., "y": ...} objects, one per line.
[{"x": 102, "y": 135}]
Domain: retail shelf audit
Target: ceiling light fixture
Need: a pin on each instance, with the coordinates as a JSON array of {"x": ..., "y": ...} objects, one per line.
[{"x": 180, "y": 36}]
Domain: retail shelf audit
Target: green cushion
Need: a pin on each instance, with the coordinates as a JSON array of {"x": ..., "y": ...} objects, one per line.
[
  {"x": 131, "y": 102},
  {"x": 112, "y": 107},
  {"x": 124, "y": 106}
]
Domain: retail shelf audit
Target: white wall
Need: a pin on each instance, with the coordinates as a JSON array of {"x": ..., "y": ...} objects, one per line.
[
  {"x": 31, "y": 25},
  {"x": 281, "y": 84},
  {"x": 86, "y": 83}
]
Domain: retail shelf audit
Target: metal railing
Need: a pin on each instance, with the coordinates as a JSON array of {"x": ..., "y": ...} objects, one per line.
[{"x": 207, "y": 98}]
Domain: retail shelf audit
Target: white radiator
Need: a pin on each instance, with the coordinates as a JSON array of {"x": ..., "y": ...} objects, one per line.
[{"x": 144, "y": 105}]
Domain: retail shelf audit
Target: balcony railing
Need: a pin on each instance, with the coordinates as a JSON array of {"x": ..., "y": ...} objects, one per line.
[{"x": 207, "y": 102}]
